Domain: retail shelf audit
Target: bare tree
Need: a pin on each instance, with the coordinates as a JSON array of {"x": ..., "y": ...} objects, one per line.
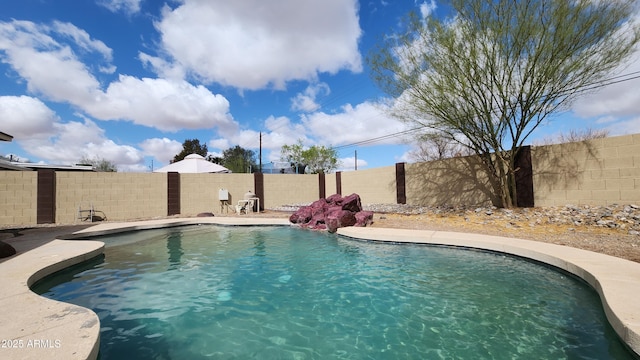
[
  {"x": 575, "y": 136},
  {"x": 99, "y": 164},
  {"x": 434, "y": 146},
  {"x": 497, "y": 69}
]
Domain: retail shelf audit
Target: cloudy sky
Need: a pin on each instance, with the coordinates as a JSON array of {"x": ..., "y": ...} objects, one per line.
[{"x": 130, "y": 80}]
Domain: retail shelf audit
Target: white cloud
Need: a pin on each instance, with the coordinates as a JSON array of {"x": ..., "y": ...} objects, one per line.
[
  {"x": 618, "y": 100},
  {"x": 33, "y": 54},
  {"x": 127, "y": 6},
  {"x": 82, "y": 39},
  {"x": 26, "y": 117},
  {"x": 221, "y": 144},
  {"x": 247, "y": 139},
  {"x": 162, "y": 67},
  {"x": 279, "y": 131},
  {"x": 71, "y": 141},
  {"x": 408, "y": 156},
  {"x": 306, "y": 100},
  {"x": 349, "y": 163},
  {"x": 41, "y": 133},
  {"x": 625, "y": 126},
  {"x": 614, "y": 107},
  {"x": 162, "y": 149},
  {"x": 214, "y": 153},
  {"x": 164, "y": 104},
  {"x": 254, "y": 44},
  {"x": 427, "y": 8},
  {"x": 365, "y": 121}
]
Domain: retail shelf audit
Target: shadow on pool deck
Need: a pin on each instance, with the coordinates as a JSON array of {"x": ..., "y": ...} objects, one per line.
[{"x": 25, "y": 239}]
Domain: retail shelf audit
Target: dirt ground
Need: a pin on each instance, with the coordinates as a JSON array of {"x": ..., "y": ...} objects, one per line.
[
  {"x": 611, "y": 241},
  {"x": 603, "y": 240},
  {"x": 615, "y": 242}
]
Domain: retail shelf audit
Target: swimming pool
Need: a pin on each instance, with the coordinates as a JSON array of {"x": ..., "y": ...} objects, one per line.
[{"x": 278, "y": 292}]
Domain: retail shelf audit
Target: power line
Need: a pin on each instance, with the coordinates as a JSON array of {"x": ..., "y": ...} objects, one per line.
[
  {"x": 610, "y": 81},
  {"x": 379, "y": 138},
  {"x": 597, "y": 85}
]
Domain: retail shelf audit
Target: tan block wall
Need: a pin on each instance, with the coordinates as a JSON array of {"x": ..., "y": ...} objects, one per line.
[
  {"x": 120, "y": 196},
  {"x": 375, "y": 186},
  {"x": 18, "y": 197},
  {"x": 330, "y": 184},
  {"x": 457, "y": 181},
  {"x": 289, "y": 189},
  {"x": 595, "y": 172},
  {"x": 200, "y": 192}
]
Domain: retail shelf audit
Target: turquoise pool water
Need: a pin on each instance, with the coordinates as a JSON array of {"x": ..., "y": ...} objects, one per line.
[{"x": 282, "y": 293}]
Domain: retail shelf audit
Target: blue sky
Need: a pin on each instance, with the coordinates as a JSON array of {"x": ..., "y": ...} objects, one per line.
[{"x": 130, "y": 80}]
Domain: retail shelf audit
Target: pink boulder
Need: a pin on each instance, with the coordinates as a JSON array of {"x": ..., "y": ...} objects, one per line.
[
  {"x": 364, "y": 218},
  {"x": 334, "y": 199},
  {"x": 351, "y": 203},
  {"x": 301, "y": 216},
  {"x": 332, "y": 213},
  {"x": 339, "y": 218}
]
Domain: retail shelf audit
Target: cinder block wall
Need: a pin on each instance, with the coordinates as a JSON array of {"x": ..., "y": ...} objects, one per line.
[
  {"x": 449, "y": 182},
  {"x": 287, "y": 189},
  {"x": 120, "y": 196},
  {"x": 18, "y": 197},
  {"x": 200, "y": 192},
  {"x": 375, "y": 186},
  {"x": 330, "y": 184},
  {"x": 594, "y": 172}
]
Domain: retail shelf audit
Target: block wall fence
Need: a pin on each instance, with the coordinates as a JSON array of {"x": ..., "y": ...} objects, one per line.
[{"x": 594, "y": 172}]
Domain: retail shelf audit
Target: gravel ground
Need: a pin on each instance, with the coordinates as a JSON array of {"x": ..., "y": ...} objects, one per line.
[{"x": 612, "y": 230}]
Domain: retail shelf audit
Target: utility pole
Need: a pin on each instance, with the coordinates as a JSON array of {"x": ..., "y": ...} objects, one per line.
[
  {"x": 356, "y": 160},
  {"x": 260, "y": 152}
]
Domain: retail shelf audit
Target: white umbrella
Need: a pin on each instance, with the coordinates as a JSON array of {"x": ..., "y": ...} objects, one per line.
[{"x": 193, "y": 163}]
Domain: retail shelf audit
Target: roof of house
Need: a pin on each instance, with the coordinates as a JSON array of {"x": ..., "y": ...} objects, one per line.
[{"x": 5, "y": 137}]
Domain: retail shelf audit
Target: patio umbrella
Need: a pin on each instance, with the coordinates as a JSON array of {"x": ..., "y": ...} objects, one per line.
[{"x": 193, "y": 163}]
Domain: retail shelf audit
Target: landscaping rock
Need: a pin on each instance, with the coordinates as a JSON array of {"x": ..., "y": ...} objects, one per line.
[
  {"x": 301, "y": 216},
  {"x": 332, "y": 213},
  {"x": 615, "y": 216},
  {"x": 337, "y": 218},
  {"x": 364, "y": 218},
  {"x": 351, "y": 203}
]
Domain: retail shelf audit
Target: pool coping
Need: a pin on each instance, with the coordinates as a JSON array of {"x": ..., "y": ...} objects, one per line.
[{"x": 42, "y": 327}]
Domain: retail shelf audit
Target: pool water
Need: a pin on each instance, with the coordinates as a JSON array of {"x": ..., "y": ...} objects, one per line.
[{"x": 283, "y": 293}]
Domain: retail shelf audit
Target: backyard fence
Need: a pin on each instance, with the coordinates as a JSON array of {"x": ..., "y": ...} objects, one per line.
[{"x": 595, "y": 172}]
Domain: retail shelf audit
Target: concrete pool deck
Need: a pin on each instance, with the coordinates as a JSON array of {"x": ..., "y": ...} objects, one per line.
[{"x": 34, "y": 327}]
